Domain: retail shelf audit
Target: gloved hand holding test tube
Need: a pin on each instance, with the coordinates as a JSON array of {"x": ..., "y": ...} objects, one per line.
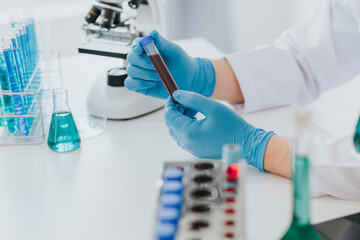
[{"x": 148, "y": 44}]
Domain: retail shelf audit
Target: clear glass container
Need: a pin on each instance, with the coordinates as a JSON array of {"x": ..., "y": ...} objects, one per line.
[
  {"x": 63, "y": 133},
  {"x": 300, "y": 227}
]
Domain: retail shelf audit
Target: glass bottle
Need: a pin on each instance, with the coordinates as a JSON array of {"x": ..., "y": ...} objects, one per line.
[
  {"x": 301, "y": 227},
  {"x": 357, "y": 137},
  {"x": 63, "y": 133}
]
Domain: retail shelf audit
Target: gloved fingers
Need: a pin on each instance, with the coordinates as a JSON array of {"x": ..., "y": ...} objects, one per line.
[
  {"x": 141, "y": 73},
  {"x": 190, "y": 113},
  {"x": 136, "y": 47},
  {"x": 138, "y": 84},
  {"x": 181, "y": 146},
  {"x": 142, "y": 60},
  {"x": 195, "y": 101},
  {"x": 174, "y": 119},
  {"x": 165, "y": 46}
]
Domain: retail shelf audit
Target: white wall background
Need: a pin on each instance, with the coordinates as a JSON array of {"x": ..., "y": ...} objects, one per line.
[{"x": 232, "y": 25}]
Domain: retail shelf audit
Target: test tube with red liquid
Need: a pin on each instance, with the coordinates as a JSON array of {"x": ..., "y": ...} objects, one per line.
[{"x": 148, "y": 44}]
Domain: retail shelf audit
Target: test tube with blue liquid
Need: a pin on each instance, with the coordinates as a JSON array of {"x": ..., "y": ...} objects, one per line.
[
  {"x": 30, "y": 27},
  {"x": 15, "y": 85},
  {"x": 26, "y": 47},
  {"x": 8, "y": 105},
  {"x": 19, "y": 33}
]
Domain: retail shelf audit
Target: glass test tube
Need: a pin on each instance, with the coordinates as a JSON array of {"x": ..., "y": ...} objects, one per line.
[
  {"x": 25, "y": 45},
  {"x": 148, "y": 44},
  {"x": 8, "y": 105},
  {"x": 14, "y": 84},
  {"x": 18, "y": 61},
  {"x": 18, "y": 32}
]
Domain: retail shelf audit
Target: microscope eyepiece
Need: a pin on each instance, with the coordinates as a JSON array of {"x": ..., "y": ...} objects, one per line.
[{"x": 93, "y": 14}]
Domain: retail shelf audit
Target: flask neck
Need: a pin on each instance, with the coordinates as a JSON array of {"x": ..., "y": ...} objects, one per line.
[
  {"x": 301, "y": 178},
  {"x": 61, "y": 103}
]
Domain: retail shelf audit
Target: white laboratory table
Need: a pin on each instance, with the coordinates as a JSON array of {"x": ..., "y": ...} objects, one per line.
[{"x": 107, "y": 188}]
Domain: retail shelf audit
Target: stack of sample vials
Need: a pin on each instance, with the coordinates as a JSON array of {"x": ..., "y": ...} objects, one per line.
[
  {"x": 202, "y": 199},
  {"x": 18, "y": 61}
]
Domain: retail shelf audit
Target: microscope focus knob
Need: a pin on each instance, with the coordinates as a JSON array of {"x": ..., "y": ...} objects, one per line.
[{"x": 116, "y": 77}]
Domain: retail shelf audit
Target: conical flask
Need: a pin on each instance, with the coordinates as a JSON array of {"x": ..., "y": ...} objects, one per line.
[
  {"x": 300, "y": 227},
  {"x": 63, "y": 133}
]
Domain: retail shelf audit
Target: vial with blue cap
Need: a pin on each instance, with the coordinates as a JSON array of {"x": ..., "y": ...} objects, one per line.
[
  {"x": 169, "y": 215},
  {"x": 171, "y": 201},
  {"x": 165, "y": 231},
  {"x": 175, "y": 174},
  {"x": 148, "y": 44},
  {"x": 173, "y": 187}
]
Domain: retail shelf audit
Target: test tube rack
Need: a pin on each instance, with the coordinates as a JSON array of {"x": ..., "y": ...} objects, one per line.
[
  {"x": 46, "y": 77},
  {"x": 212, "y": 204}
]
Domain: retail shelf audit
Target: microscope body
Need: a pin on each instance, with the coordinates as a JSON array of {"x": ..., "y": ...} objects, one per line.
[{"x": 110, "y": 28}]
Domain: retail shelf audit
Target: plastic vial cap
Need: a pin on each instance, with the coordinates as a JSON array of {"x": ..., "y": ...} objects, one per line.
[
  {"x": 171, "y": 200},
  {"x": 172, "y": 187},
  {"x": 146, "y": 40},
  {"x": 169, "y": 215},
  {"x": 174, "y": 174},
  {"x": 231, "y": 154},
  {"x": 165, "y": 231}
]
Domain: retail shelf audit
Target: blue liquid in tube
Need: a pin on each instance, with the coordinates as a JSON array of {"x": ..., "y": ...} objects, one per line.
[
  {"x": 19, "y": 65},
  {"x": 15, "y": 87},
  {"x": 63, "y": 133},
  {"x": 32, "y": 39},
  {"x": 8, "y": 107}
]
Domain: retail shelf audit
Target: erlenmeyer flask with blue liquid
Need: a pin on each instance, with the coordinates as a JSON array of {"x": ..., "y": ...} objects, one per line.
[{"x": 63, "y": 133}]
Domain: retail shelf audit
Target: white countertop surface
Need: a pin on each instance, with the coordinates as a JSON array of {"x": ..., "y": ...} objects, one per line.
[{"x": 107, "y": 188}]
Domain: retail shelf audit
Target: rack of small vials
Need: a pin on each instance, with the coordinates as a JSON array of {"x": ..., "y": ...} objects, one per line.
[
  {"x": 201, "y": 200},
  {"x": 26, "y": 78}
]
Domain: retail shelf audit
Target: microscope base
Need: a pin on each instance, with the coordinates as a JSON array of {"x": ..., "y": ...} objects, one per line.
[{"x": 119, "y": 103}]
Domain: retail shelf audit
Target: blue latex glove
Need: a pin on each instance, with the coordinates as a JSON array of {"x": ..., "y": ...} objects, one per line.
[
  {"x": 205, "y": 138},
  {"x": 193, "y": 74}
]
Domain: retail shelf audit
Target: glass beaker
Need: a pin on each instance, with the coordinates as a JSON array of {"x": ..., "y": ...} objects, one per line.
[{"x": 63, "y": 133}]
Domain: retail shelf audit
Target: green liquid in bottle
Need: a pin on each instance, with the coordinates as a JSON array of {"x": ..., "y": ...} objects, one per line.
[
  {"x": 63, "y": 133},
  {"x": 357, "y": 137},
  {"x": 300, "y": 227}
]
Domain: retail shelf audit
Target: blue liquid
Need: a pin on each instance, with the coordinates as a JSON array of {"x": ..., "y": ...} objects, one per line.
[
  {"x": 2, "y": 120},
  {"x": 357, "y": 137},
  {"x": 33, "y": 42},
  {"x": 15, "y": 87},
  {"x": 63, "y": 133},
  {"x": 7, "y": 100},
  {"x": 301, "y": 227}
]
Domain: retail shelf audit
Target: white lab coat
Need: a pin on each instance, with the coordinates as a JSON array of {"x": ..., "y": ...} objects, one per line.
[{"x": 302, "y": 63}]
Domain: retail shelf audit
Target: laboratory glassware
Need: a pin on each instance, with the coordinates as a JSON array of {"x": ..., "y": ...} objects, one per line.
[
  {"x": 300, "y": 227},
  {"x": 357, "y": 137},
  {"x": 6, "y": 99},
  {"x": 63, "y": 133},
  {"x": 148, "y": 44},
  {"x": 15, "y": 85}
]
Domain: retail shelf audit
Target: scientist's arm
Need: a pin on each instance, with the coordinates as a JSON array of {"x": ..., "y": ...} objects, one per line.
[
  {"x": 303, "y": 62},
  {"x": 277, "y": 156},
  {"x": 226, "y": 87}
]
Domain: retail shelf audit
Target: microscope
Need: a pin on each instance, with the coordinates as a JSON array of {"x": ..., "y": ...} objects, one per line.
[{"x": 110, "y": 28}]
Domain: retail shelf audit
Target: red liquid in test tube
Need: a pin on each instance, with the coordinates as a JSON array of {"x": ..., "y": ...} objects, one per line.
[{"x": 148, "y": 45}]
